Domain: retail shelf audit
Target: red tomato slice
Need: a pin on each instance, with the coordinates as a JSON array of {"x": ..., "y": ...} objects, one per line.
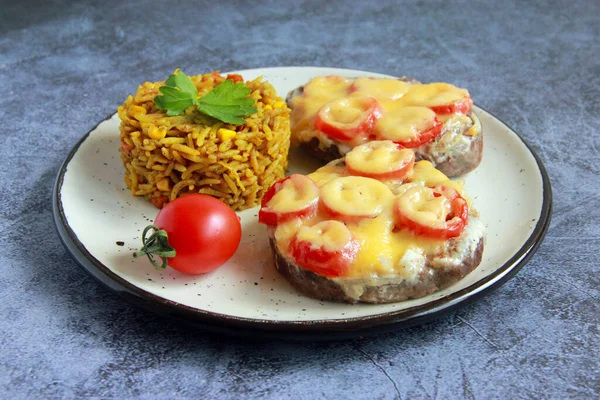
[
  {"x": 381, "y": 160},
  {"x": 423, "y": 137},
  {"x": 353, "y": 198},
  {"x": 236, "y": 78},
  {"x": 460, "y": 107},
  {"x": 293, "y": 197},
  {"x": 327, "y": 248},
  {"x": 442, "y": 98},
  {"x": 421, "y": 210},
  {"x": 348, "y": 117},
  {"x": 409, "y": 126}
]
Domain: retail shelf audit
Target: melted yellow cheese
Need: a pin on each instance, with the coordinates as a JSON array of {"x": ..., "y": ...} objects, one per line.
[
  {"x": 331, "y": 86},
  {"x": 433, "y": 94},
  {"x": 355, "y": 195},
  {"x": 328, "y": 172},
  {"x": 393, "y": 95},
  {"x": 316, "y": 94},
  {"x": 404, "y": 123},
  {"x": 295, "y": 194},
  {"x": 383, "y": 249},
  {"x": 378, "y": 157},
  {"x": 425, "y": 173},
  {"x": 285, "y": 231},
  {"x": 419, "y": 204},
  {"x": 331, "y": 235}
]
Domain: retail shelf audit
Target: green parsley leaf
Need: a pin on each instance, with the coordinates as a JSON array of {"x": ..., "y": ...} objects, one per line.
[
  {"x": 174, "y": 100},
  {"x": 178, "y": 94},
  {"x": 228, "y": 102},
  {"x": 182, "y": 81}
]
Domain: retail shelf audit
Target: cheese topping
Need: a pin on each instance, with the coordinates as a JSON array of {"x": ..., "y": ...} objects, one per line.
[
  {"x": 346, "y": 114},
  {"x": 420, "y": 205},
  {"x": 332, "y": 87},
  {"x": 316, "y": 93},
  {"x": 383, "y": 250},
  {"x": 433, "y": 94},
  {"x": 344, "y": 111},
  {"x": 404, "y": 123},
  {"x": 355, "y": 196},
  {"x": 328, "y": 172},
  {"x": 378, "y": 157},
  {"x": 331, "y": 235},
  {"x": 426, "y": 174},
  {"x": 296, "y": 193},
  {"x": 392, "y": 95},
  {"x": 381, "y": 89}
]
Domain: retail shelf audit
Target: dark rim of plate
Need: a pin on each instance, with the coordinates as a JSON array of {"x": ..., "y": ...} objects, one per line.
[{"x": 298, "y": 330}]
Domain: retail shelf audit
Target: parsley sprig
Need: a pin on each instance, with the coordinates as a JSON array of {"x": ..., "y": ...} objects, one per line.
[{"x": 228, "y": 102}]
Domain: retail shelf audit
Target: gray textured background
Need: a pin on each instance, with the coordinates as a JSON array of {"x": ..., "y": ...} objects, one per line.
[{"x": 64, "y": 67}]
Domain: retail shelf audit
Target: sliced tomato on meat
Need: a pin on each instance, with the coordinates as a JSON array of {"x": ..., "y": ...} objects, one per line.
[
  {"x": 348, "y": 117},
  {"x": 293, "y": 197},
  {"x": 327, "y": 248},
  {"x": 436, "y": 212},
  {"x": 380, "y": 88},
  {"x": 409, "y": 127},
  {"x": 381, "y": 160},
  {"x": 353, "y": 198},
  {"x": 459, "y": 107},
  {"x": 442, "y": 98}
]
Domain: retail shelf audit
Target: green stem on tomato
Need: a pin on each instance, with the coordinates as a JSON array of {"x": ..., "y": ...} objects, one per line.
[{"x": 157, "y": 244}]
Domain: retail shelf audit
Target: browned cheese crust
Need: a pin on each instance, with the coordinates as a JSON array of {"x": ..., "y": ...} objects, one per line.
[{"x": 323, "y": 288}]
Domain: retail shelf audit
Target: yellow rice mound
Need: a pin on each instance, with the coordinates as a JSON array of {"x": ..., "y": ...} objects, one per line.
[{"x": 166, "y": 157}]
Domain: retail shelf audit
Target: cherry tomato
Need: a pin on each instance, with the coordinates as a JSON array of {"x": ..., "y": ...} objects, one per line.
[
  {"x": 348, "y": 117},
  {"x": 293, "y": 197},
  {"x": 203, "y": 230},
  {"x": 327, "y": 248},
  {"x": 439, "y": 212}
]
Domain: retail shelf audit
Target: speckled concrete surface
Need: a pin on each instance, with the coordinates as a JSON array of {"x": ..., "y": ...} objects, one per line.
[{"x": 64, "y": 67}]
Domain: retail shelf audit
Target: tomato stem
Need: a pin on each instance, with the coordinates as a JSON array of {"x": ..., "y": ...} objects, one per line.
[{"x": 157, "y": 244}]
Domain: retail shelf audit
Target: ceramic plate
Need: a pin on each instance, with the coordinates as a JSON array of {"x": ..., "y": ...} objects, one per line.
[{"x": 100, "y": 223}]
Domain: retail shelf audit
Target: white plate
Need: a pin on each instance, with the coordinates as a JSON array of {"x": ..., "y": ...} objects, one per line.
[{"x": 94, "y": 210}]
